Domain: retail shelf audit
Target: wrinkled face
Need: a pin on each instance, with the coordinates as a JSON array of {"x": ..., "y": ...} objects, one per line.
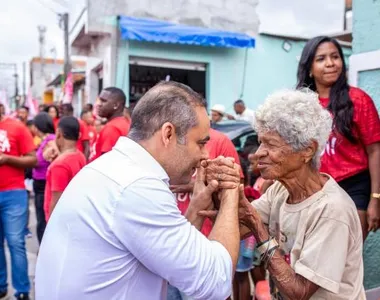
[
  {"x": 108, "y": 105},
  {"x": 22, "y": 114},
  {"x": 88, "y": 118},
  {"x": 239, "y": 108},
  {"x": 216, "y": 116},
  {"x": 52, "y": 113},
  {"x": 327, "y": 65},
  {"x": 183, "y": 159},
  {"x": 275, "y": 158}
]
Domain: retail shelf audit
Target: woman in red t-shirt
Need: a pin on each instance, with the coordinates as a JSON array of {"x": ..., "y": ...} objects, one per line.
[
  {"x": 53, "y": 112},
  {"x": 352, "y": 153}
]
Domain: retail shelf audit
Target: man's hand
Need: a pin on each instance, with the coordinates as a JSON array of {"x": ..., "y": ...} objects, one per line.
[
  {"x": 201, "y": 199},
  {"x": 224, "y": 170},
  {"x": 373, "y": 215},
  {"x": 202, "y": 193},
  {"x": 249, "y": 218},
  {"x": 3, "y": 159},
  {"x": 50, "y": 151}
]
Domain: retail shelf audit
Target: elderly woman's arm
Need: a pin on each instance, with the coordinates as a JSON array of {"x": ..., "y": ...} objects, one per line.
[{"x": 290, "y": 284}]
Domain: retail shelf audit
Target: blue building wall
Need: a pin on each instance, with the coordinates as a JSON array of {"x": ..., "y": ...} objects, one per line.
[
  {"x": 366, "y": 38},
  {"x": 268, "y": 67}
]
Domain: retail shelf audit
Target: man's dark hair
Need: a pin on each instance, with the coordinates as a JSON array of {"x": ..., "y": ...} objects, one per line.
[
  {"x": 44, "y": 123},
  {"x": 239, "y": 101},
  {"x": 68, "y": 106},
  {"x": 25, "y": 107},
  {"x": 69, "y": 127},
  {"x": 168, "y": 101},
  {"x": 90, "y": 106},
  {"x": 119, "y": 95},
  {"x": 85, "y": 111}
]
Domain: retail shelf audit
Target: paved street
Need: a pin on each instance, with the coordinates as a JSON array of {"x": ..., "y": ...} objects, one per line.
[{"x": 32, "y": 249}]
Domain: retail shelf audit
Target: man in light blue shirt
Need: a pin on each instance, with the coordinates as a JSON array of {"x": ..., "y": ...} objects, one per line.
[{"x": 116, "y": 232}]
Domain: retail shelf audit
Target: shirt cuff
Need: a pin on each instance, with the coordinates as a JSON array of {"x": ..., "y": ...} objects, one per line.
[{"x": 319, "y": 280}]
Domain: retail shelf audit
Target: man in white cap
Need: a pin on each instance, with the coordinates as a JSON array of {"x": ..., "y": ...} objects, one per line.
[{"x": 217, "y": 113}]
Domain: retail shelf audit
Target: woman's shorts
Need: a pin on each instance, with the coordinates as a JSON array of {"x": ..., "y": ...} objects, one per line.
[
  {"x": 358, "y": 187},
  {"x": 246, "y": 254}
]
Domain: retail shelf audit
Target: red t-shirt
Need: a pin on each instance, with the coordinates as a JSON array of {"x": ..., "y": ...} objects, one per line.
[
  {"x": 109, "y": 135},
  {"x": 92, "y": 134},
  {"x": 15, "y": 140},
  {"x": 83, "y": 135},
  {"x": 55, "y": 122},
  {"x": 342, "y": 159},
  {"x": 60, "y": 173},
  {"x": 219, "y": 144}
]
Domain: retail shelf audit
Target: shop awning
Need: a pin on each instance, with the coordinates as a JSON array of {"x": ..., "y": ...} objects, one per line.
[{"x": 149, "y": 30}]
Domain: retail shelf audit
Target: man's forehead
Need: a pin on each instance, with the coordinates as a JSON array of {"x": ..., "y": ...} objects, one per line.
[{"x": 107, "y": 95}]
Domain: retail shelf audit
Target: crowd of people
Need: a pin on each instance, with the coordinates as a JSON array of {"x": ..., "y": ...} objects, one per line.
[{"x": 169, "y": 212}]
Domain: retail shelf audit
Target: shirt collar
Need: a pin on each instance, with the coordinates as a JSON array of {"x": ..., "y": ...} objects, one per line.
[{"x": 142, "y": 157}]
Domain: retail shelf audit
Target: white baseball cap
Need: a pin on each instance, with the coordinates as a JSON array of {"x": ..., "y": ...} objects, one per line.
[{"x": 219, "y": 108}]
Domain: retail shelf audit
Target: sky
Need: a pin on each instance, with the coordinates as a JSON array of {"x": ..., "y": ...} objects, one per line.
[{"x": 19, "y": 20}]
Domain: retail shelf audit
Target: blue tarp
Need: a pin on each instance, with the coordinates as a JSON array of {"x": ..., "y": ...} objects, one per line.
[{"x": 149, "y": 30}]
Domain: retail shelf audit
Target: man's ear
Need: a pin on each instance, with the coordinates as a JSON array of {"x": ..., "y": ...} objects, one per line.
[
  {"x": 168, "y": 133},
  {"x": 58, "y": 133}
]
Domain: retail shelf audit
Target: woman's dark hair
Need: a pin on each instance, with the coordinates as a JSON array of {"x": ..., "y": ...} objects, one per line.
[
  {"x": 340, "y": 104},
  {"x": 52, "y": 106},
  {"x": 44, "y": 123}
]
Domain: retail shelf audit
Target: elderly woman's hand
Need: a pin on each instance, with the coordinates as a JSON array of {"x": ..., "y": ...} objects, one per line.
[
  {"x": 249, "y": 218},
  {"x": 224, "y": 170}
]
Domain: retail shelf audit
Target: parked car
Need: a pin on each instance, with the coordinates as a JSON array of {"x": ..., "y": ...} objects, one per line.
[{"x": 241, "y": 133}]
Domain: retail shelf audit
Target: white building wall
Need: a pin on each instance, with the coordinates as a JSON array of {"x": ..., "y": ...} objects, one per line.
[{"x": 98, "y": 19}]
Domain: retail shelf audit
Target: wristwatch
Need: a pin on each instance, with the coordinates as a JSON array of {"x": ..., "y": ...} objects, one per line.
[{"x": 375, "y": 195}]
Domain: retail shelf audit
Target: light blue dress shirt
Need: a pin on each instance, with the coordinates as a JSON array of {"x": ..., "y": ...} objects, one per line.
[{"x": 117, "y": 234}]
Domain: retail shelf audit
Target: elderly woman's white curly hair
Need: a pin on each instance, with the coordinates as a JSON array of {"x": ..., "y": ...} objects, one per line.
[{"x": 298, "y": 118}]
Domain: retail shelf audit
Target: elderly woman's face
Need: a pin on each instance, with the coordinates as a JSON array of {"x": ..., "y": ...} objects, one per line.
[{"x": 275, "y": 158}]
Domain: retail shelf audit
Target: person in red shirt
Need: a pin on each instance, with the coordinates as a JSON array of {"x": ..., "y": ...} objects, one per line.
[
  {"x": 17, "y": 152},
  {"x": 23, "y": 114},
  {"x": 352, "y": 154},
  {"x": 67, "y": 110},
  {"x": 88, "y": 118},
  {"x": 218, "y": 145},
  {"x": 53, "y": 112},
  {"x": 68, "y": 163},
  {"x": 111, "y": 107}
]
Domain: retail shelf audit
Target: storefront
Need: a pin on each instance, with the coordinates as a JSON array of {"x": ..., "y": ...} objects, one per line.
[{"x": 212, "y": 62}]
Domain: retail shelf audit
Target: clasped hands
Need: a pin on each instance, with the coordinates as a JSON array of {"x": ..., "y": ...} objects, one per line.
[{"x": 218, "y": 180}]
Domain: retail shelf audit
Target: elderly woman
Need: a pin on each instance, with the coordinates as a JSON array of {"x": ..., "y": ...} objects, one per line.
[{"x": 313, "y": 249}]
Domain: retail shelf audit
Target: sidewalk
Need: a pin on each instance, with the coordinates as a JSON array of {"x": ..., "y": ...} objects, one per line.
[{"x": 32, "y": 249}]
